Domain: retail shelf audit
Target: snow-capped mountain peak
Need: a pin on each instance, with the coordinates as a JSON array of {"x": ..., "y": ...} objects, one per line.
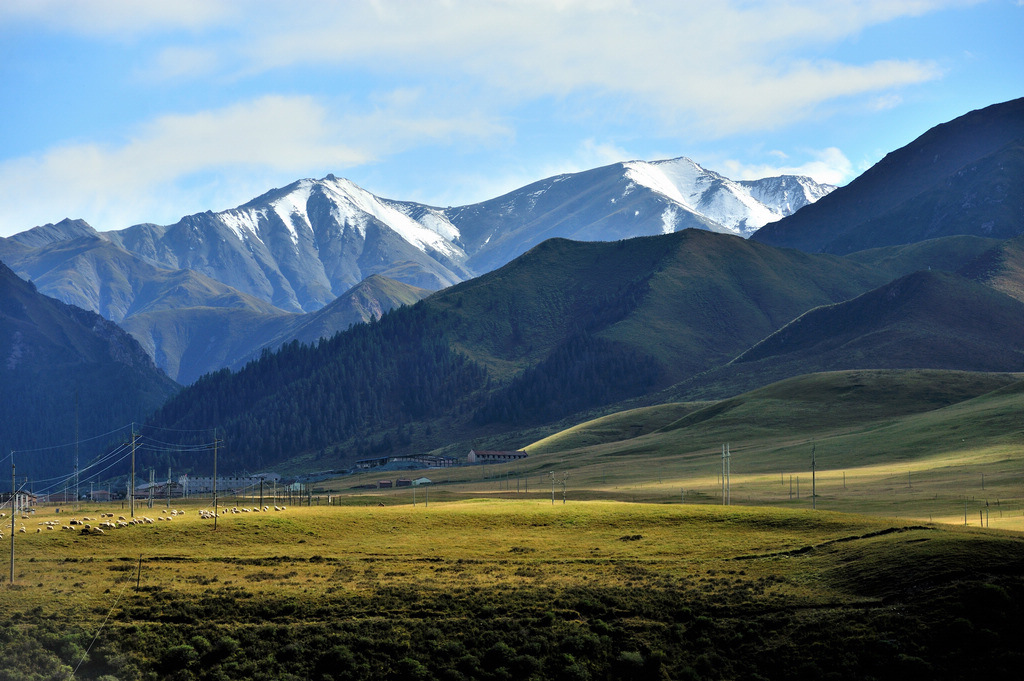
[
  {"x": 348, "y": 207},
  {"x": 300, "y": 246},
  {"x": 738, "y": 207}
]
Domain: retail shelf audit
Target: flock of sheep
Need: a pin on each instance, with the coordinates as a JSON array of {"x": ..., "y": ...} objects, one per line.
[
  {"x": 106, "y": 521},
  {"x": 207, "y": 515}
]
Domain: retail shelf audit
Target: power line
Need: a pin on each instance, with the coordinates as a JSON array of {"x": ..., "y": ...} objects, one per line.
[{"x": 69, "y": 444}]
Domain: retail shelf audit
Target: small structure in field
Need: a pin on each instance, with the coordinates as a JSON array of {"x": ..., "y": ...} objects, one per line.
[
  {"x": 384, "y": 484},
  {"x": 489, "y": 456}
]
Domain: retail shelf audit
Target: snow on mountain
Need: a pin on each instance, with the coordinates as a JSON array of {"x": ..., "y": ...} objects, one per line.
[
  {"x": 737, "y": 207},
  {"x": 301, "y": 246},
  {"x": 350, "y": 206}
]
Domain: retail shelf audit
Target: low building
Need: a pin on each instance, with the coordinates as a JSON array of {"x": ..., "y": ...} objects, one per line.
[
  {"x": 22, "y": 500},
  {"x": 422, "y": 481},
  {"x": 411, "y": 461},
  {"x": 384, "y": 484},
  {"x": 488, "y": 456},
  {"x": 226, "y": 484}
]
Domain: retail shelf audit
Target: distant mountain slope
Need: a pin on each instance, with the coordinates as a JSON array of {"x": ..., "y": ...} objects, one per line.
[
  {"x": 367, "y": 300},
  {"x": 949, "y": 254},
  {"x": 1001, "y": 267},
  {"x": 191, "y": 341},
  {"x": 926, "y": 320},
  {"x": 301, "y": 246},
  {"x": 189, "y": 323},
  {"x": 95, "y": 274},
  {"x": 50, "y": 233},
  {"x": 621, "y": 201},
  {"x": 49, "y": 352},
  {"x": 961, "y": 177}
]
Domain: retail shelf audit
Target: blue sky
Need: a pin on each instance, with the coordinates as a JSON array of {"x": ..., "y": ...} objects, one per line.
[{"x": 120, "y": 111}]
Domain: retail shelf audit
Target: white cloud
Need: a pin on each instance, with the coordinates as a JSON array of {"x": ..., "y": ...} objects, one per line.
[
  {"x": 180, "y": 63},
  {"x": 719, "y": 65},
  {"x": 829, "y": 166},
  {"x": 165, "y": 164}
]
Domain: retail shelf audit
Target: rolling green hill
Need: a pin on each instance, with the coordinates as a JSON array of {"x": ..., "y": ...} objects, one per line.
[{"x": 924, "y": 444}]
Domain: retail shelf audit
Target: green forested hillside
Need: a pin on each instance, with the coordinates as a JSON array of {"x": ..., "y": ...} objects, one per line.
[
  {"x": 568, "y": 327},
  {"x": 53, "y": 355}
]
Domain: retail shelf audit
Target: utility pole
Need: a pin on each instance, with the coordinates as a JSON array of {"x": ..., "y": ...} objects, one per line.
[
  {"x": 12, "y": 517},
  {"x": 813, "y": 480},
  {"x": 215, "y": 479},
  {"x": 726, "y": 476},
  {"x": 552, "y": 488},
  {"x": 132, "y": 491},
  {"x": 76, "y": 452}
]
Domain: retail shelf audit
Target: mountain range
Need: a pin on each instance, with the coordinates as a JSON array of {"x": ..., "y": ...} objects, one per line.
[
  {"x": 297, "y": 249},
  {"x": 565, "y": 327}
]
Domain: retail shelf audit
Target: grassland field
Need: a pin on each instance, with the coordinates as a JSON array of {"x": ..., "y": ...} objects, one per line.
[
  {"x": 908, "y": 563},
  {"x": 585, "y": 589}
]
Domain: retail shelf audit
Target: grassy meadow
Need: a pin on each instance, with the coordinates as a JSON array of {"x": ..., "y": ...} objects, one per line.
[
  {"x": 504, "y": 589},
  {"x": 607, "y": 554}
]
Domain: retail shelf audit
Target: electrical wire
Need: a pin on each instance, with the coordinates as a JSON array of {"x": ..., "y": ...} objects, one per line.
[
  {"x": 127, "y": 581},
  {"x": 69, "y": 444}
]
